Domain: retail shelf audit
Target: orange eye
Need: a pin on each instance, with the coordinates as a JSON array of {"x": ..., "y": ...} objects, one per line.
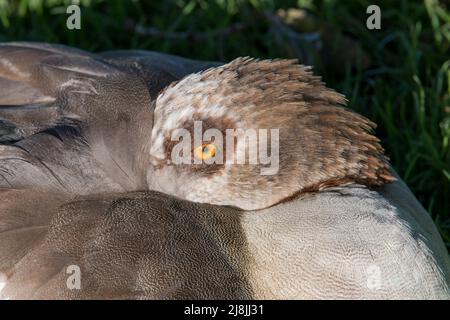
[{"x": 205, "y": 151}]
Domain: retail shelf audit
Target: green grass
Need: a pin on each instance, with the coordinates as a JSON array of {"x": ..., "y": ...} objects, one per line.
[{"x": 404, "y": 85}]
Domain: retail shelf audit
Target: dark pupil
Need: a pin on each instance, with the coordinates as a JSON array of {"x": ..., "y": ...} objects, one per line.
[{"x": 205, "y": 149}]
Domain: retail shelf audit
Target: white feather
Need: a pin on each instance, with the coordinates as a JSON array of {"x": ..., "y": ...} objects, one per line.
[{"x": 2, "y": 285}]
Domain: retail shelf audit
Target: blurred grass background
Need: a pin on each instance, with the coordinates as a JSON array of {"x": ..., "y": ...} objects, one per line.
[{"x": 398, "y": 76}]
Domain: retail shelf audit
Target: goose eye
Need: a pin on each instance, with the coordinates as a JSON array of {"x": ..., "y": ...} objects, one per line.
[{"x": 205, "y": 151}]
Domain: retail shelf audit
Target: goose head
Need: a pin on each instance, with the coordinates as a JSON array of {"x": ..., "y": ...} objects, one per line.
[{"x": 253, "y": 133}]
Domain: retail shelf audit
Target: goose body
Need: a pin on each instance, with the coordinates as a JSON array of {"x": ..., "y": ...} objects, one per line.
[{"x": 74, "y": 129}]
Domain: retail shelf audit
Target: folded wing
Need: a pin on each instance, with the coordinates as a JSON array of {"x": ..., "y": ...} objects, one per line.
[{"x": 76, "y": 121}]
